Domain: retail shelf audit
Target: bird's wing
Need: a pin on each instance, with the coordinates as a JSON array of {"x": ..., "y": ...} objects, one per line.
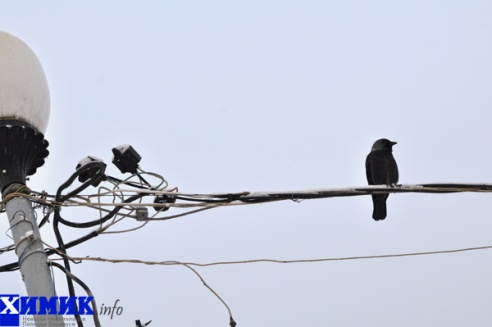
[
  {"x": 377, "y": 168},
  {"x": 368, "y": 170}
]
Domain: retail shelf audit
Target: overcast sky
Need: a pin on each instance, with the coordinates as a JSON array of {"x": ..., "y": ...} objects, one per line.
[{"x": 221, "y": 96}]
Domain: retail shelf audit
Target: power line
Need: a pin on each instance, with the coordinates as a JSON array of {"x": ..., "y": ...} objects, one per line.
[
  {"x": 134, "y": 198},
  {"x": 277, "y": 261},
  {"x": 281, "y": 261},
  {"x": 124, "y": 203}
]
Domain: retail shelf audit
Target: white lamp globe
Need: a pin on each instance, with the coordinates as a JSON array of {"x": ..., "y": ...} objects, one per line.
[{"x": 24, "y": 93}]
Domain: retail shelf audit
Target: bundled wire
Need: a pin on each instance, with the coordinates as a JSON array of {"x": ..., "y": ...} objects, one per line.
[
  {"x": 131, "y": 198},
  {"x": 127, "y": 196}
]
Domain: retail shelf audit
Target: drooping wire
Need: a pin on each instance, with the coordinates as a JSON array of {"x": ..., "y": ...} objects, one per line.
[
  {"x": 84, "y": 286},
  {"x": 59, "y": 198}
]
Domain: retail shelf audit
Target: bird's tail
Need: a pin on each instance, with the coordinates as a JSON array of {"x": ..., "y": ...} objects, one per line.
[{"x": 379, "y": 202}]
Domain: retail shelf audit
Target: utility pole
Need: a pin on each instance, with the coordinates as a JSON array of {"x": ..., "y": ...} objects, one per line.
[{"x": 24, "y": 114}]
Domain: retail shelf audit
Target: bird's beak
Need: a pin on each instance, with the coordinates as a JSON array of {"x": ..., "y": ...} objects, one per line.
[{"x": 392, "y": 143}]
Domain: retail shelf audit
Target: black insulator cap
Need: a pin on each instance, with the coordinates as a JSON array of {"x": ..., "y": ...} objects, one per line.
[
  {"x": 126, "y": 159},
  {"x": 162, "y": 199},
  {"x": 92, "y": 172}
]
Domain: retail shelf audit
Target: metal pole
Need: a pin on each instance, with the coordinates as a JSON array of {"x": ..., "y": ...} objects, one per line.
[{"x": 32, "y": 257}]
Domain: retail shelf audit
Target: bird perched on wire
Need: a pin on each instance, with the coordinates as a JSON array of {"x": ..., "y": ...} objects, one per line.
[
  {"x": 139, "y": 324},
  {"x": 381, "y": 169}
]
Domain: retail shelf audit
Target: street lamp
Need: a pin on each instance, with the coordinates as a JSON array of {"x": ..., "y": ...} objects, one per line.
[{"x": 24, "y": 114}]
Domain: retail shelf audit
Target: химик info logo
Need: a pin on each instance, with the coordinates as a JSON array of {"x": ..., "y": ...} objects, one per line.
[{"x": 12, "y": 306}]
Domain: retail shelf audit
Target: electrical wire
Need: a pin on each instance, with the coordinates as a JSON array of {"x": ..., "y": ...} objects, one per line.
[
  {"x": 232, "y": 322},
  {"x": 50, "y": 251},
  {"x": 124, "y": 198},
  {"x": 282, "y": 261},
  {"x": 84, "y": 286}
]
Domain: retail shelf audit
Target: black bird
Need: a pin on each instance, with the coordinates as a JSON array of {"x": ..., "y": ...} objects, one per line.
[
  {"x": 381, "y": 169},
  {"x": 139, "y": 324}
]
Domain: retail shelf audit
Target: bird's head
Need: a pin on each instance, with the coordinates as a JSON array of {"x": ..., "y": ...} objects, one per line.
[{"x": 383, "y": 144}]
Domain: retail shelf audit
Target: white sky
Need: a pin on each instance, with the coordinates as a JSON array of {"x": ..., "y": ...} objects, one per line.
[{"x": 223, "y": 96}]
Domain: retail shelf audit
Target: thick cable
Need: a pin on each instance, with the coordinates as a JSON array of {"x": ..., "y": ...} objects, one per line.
[{"x": 84, "y": 286}]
